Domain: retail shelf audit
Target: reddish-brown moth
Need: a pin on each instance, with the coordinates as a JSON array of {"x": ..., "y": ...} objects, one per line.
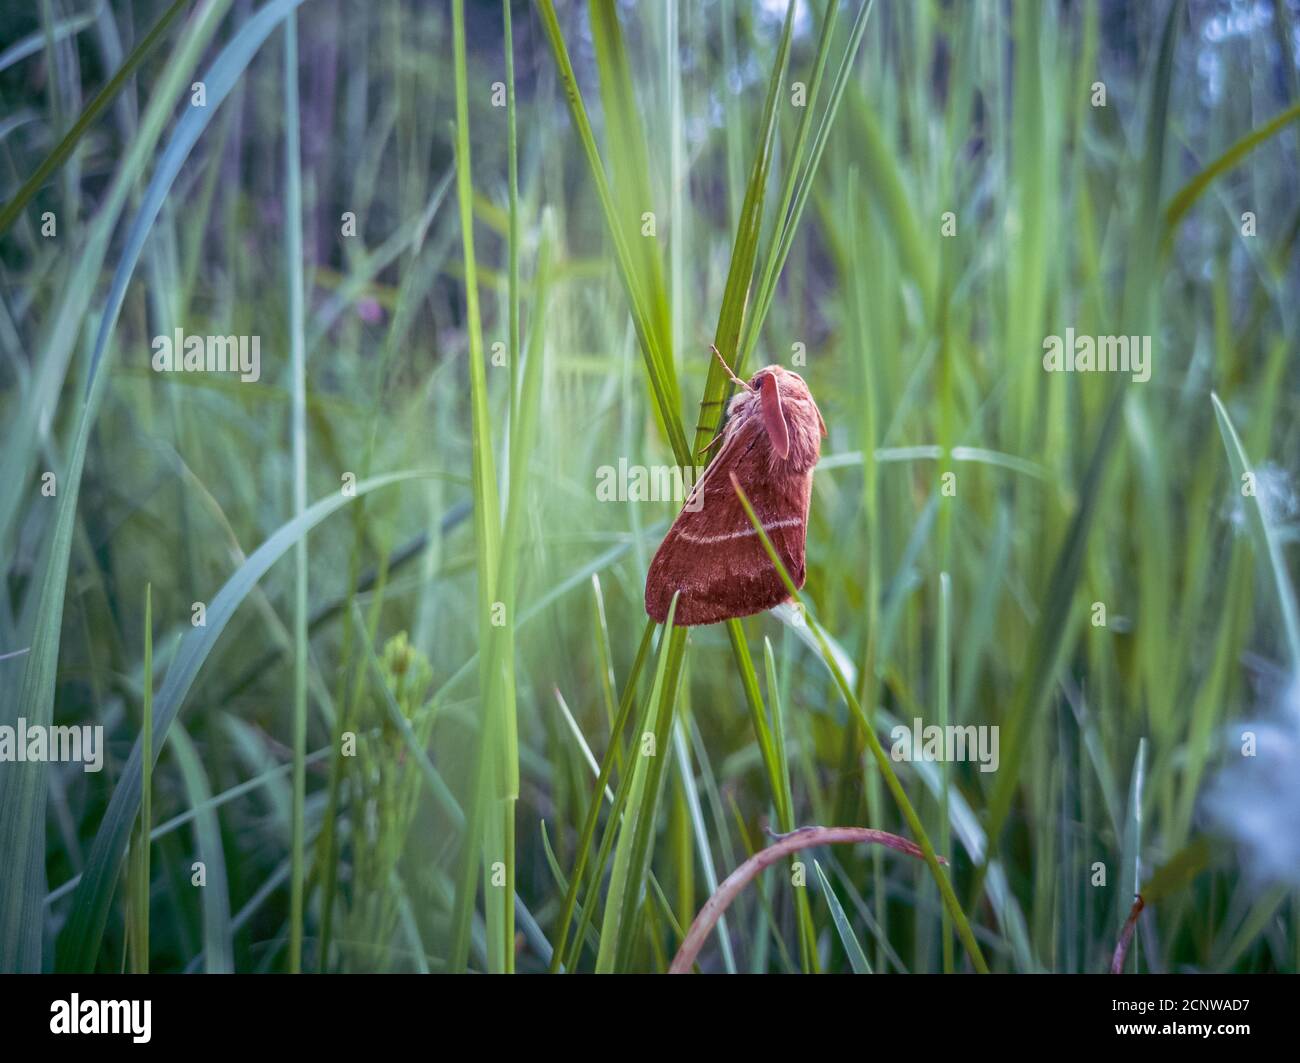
[{"x": 712, "y": 554}]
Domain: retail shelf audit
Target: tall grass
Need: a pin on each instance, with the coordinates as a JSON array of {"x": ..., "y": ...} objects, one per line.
[{"x": 557, "y": 210}]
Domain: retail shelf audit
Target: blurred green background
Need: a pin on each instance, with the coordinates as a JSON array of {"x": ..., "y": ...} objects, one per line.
[{"x": 484, "y": 258}]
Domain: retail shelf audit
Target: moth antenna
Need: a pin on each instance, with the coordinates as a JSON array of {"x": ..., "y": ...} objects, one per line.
[
  {"x": 709, "y": 446},
  {"x": 726, "y": 368}
]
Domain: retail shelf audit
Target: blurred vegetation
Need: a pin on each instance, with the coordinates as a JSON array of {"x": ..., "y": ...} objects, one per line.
[{"x": 539, "y": 254}]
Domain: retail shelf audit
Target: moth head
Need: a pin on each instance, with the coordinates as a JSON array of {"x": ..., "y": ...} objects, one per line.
[
  {"x": 766, "y": 384},
  {"x": 782, "y": 394}
]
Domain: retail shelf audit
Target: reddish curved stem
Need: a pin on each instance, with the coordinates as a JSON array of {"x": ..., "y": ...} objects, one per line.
[
  {"x": 1126, "y": 936},
  {"x": 803, "y": 838}
]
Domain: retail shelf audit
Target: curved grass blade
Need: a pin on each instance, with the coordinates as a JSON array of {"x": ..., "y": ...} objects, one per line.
[
  {"x": 1265, "y": 535},
  {"x": 22, "y": 793},
  {"x": 218, "y": 945},
  {"x": 873, "y": 742},
  {"x": 219, "y": 78},
  {"x": 557, "y": 873},
  {"x": 34, "y": 42},
  {"x": 93, "y": 110},
  {"x": 1191, "y": 192},
  {"x": 20, "y": 445},
  {"x": 79, "y": 942},
  {"x": 23, "y": 786},
  {"x": 803, "y": 838}
]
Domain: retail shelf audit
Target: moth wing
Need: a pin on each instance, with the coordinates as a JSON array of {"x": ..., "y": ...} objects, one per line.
[{"x": 712, "y": 554}]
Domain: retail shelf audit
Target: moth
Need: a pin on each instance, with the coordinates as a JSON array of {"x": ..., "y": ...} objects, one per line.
[{"x": 712, "y": 555}]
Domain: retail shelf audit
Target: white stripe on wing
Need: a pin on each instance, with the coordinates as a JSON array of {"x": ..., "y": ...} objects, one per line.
[{"x": 788, "y": 522}]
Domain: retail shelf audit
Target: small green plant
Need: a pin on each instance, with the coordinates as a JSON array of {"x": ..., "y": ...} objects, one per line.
[{"x": 383, "y": 784}]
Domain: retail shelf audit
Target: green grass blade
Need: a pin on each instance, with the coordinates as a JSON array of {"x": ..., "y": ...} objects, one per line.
[
  {"x": 138, "y": 883},
  {"x": 744, "y": 252},
  {"x": 79, "y": 942},
  {"x": 602, "y": 780},
  {"x": 219, "y": 78},
  {"x": 1130, "y": 870},
  {"x": 1139, "y": 292},
  {"x": 852, "y": 947},
  {"x": 873, "y": 742},
  {"x": 658, "y": 369},
  {"x": 512, "y": 186},
  {"x": 1050, "y": 638},
  {"x": 701, "y": 836},
  {"x": 1265, "y": 534},
  {"x": 943, "y": 685},
  {"x": 19, "y": 450},
  {"x": 783, "y": 798},
  {"x": 1187, "y": 196},
  {"x": 644, "y": 813},
  {"x": 627, "y": 879},
  {"x": 93, "y": 110},
  {"x": 488, "y": 784},
  {"x": 23, "y": 786},
  {"x": 218, "y": 947},
  {"x": 298, "y": 369},
  {"x": 630, "y": 161},
  {"x": 612, "y": 833},
  {"x": 23, "y": 791},
  {"x": 801, "y": 175}
]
